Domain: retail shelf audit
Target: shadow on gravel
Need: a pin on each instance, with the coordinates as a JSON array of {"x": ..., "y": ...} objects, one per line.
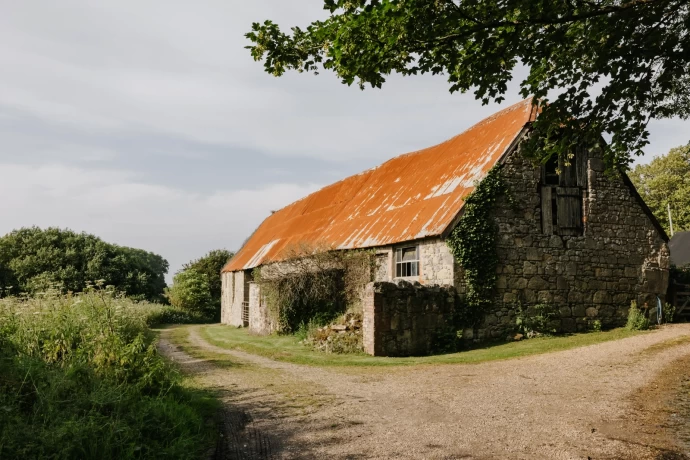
[{"x": 243, "y": 438}]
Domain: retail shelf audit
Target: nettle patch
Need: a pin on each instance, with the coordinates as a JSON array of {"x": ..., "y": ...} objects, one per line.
[
  {"x": 473, "y": 244},
  {"x": 314, "y": 286}
]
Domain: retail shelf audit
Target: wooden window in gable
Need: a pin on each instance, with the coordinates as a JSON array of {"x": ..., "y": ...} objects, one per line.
[{"x": 563, "y": 191}]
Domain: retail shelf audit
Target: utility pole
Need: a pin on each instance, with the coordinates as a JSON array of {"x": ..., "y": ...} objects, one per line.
[{"x": 670, "y": 221}]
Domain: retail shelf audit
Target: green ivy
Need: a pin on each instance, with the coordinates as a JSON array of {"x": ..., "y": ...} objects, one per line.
[{"x": 473, "y": 244}]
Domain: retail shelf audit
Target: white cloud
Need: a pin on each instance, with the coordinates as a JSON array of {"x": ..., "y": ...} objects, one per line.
[
  {"x": 111, "y": 204},
  {"x": 126, "y": 106}
]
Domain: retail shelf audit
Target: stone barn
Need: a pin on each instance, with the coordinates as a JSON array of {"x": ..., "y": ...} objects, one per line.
[{"x": 573, "y": 237}]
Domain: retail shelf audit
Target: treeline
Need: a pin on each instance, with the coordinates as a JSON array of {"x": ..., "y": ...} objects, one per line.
[
  {"x": 665, "y": 183},
  {"x": 33, "y": 260},
  {"x": 197, "y": 287}
]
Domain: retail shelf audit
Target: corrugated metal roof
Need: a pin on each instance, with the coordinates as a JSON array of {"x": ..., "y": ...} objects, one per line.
[{"x": 411, "y": 196}]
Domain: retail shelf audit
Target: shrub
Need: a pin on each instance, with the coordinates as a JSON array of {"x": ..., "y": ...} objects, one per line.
[
  {"x": 314, "y": 285},
  {"x": 80, "y": 377},
  {"x": 637, "y": 319},
  {"x": 540, "y": 319},
  {"x": 171, "y": 315},
  {"x": 190, "y": 292},
  {"x": 668, "y": 312}
]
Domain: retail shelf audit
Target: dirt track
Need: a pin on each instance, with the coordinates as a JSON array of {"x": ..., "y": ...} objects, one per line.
[{"x": 608, "y": 400}]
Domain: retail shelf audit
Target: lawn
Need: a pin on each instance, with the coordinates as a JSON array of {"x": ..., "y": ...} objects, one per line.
[{"x": 287, "y": 348}]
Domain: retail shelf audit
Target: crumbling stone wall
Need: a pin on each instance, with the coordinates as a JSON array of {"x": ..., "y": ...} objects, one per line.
[
  {"x": 404, "y": 319},
  {"x": 620, "y": 257}
]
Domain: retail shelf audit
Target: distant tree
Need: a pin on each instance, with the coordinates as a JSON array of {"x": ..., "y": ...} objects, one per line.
[
  {"x": 603, "y": 66},
  {"x": 666, "y": 181},
  {"x": 32, "y": 259},
  {"x": 211, "y": 265},
  {"x": 190, "y": 291}
]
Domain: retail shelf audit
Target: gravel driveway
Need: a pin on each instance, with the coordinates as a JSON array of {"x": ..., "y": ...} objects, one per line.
[{"x": 600, "y": 401}]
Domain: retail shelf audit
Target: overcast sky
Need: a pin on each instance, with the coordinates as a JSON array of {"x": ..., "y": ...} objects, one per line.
[{"x": 148, "y": 124}]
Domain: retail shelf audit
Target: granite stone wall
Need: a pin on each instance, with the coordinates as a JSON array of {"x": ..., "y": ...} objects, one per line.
[
  {"x": 404, "y": 319},
  {"x": 620, "y": 257}
]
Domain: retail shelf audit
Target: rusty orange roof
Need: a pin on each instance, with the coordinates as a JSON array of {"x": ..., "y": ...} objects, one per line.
[{"x": 411, "y": 196}]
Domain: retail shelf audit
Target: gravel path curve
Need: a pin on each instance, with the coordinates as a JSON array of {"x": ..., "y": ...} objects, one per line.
[{"x": 582, "y": 403}]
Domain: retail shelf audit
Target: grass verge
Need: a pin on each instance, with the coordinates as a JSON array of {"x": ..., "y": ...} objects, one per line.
[
  {"x": 293, "y": 393},
  {"x": 287, "y": 348}
]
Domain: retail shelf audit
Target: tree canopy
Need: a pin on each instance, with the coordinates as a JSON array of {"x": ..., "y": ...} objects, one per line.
[
  {"x": 595, "y": 66},
  {"x": 190, "y": 291},
  {"x": 33, "y": 259},
  {"x": 197, "y": 287},
  {"x": 666, "y": 181},
  {"x": 211, "y": 265}
]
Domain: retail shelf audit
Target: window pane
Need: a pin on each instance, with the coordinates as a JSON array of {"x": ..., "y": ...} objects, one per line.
[
  {"x": 414, "y": 266},
  {"x": 409, "y": 254},
  {"x": 398, "y": 270},
  {"x": 398, "y": 253}
]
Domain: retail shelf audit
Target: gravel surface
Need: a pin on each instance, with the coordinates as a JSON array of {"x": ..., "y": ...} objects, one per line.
[{"x": 588, "y": 402}]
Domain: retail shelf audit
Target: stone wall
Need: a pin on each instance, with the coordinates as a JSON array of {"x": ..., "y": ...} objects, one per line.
[
  {"x": 232, "y": 296},
  {"x": 436, "y": 262},
  {"x": 260, "y": 320},
  {"x": 620, "y": 257},
  {"x": 402, "y": 319}
]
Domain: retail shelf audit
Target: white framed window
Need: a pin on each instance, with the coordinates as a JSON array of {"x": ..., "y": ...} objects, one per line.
[{"x": 407, "y": 262}]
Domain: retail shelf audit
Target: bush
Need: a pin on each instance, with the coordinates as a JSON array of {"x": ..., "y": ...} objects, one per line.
[
  {"x": 190, "y": 292},
  {"x": 669, "y": 311},
  {"x": 540, "y": 319},
  {"x": 314, "y": 284},
  {"x": 80, "y": 377},
  {"x": 171, "y": 315},
  {"x": 637, "y": 319}
]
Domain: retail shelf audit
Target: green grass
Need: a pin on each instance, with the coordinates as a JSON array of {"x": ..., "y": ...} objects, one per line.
[
  {"x": 80, "y": 377},
  {"x": 179, "y": 336},
  {"x": 294, "y": 394},
  {"x": 287, "y": 348}
]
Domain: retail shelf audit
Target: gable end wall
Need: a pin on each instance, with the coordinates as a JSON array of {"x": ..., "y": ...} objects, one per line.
[{"x": 620, "y": 258}]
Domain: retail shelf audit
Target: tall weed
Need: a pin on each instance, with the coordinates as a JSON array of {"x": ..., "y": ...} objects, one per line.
[
  {"x": 637, "y": 319},
  {"x": 80, "y": 377}
]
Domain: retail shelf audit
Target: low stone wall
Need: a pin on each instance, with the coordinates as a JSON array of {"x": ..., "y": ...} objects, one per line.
[{"x": 403, "y": 319}]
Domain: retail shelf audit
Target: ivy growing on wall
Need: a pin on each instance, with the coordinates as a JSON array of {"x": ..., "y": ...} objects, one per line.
[{"x": 473, "y": 244}]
